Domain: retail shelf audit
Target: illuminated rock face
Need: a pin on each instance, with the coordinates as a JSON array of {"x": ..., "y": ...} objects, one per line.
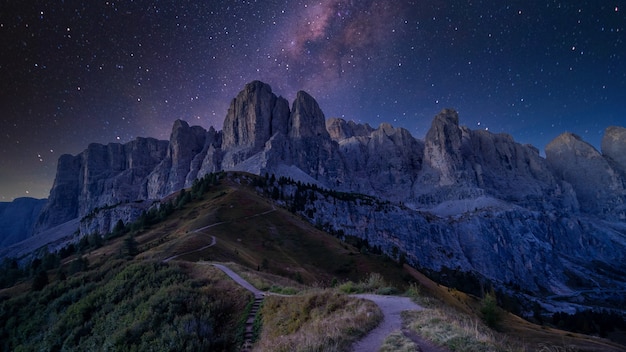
[
  {"x": 262, "y": 134},
  {"x": 467, "y": 200},
  {"x": 599, "y": 187}
]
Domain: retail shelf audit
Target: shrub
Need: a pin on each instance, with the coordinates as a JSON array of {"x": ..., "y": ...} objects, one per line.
[{"x": 489, "y": 310}]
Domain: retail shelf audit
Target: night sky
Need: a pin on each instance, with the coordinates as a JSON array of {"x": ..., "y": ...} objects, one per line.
[{"x": 75, "y": 72}]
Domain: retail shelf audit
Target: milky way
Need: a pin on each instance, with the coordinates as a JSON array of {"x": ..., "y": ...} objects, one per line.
[{"x": 75, "y": 72}]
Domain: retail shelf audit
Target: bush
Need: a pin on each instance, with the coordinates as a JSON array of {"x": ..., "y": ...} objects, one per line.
[
  {"x": 489, "y": 310},
  {"x": 40, "y": 281}
]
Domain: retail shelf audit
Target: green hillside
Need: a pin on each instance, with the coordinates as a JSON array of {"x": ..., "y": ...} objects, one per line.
[{"x": 146, "y": 286}]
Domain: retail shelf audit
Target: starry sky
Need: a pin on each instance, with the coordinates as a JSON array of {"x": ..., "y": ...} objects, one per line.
[{"x": 74, "y": 72}]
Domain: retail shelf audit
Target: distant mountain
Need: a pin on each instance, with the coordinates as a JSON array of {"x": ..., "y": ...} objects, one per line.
[
  {"x": 17, "y": 219},
  {"x": 462, "y": 203}
]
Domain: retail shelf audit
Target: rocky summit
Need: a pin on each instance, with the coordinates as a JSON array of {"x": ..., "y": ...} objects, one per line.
[{"x": 460, "y": 201}]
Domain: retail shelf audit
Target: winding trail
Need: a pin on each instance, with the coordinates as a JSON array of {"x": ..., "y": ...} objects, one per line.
[
  {"x": 240, "y": 280},
  {"x": 391, "y": 306},
  {"x": 214, "y": 241}
]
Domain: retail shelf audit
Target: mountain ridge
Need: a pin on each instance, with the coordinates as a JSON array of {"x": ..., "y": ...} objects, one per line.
[{"x": 465, "y": 200}]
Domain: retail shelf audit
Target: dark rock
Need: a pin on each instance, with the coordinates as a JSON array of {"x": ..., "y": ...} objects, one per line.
[
  {"x": 17, "y": 219},
  {"x": 599, "y": 188}
]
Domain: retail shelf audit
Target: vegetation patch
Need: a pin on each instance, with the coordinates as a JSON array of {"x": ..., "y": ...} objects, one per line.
[
  {"x": 123, "y": 306},
  {"x": 321, "y": 321},
  {"x": 397, "y": 342},
  {"x": 455, "y": 330}
]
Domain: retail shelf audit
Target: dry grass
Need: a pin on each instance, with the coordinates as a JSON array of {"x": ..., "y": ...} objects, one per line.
[
  {"x": 266, "y": 281},
  {"x": 322, "y": 321},
  {"x": 397, "y": 342},
  {"x": 457, "y": 331}
]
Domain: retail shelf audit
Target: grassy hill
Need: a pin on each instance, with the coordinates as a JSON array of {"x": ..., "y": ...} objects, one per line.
[{"x": 120, "y": 295}]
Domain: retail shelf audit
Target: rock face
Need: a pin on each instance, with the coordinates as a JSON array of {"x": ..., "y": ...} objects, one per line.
[
  {"x": 254, "y": 116},
  {"x": 63, "y": 203},
  {"x": 17, "y": 219},
  {"x": 472, "y": 201},
  {"x": 171, "y": 173},
  {"x": 541, "y": 252},
  {"x": 385, "y": 160},
  {"x": 442, "y": 149},
  {"x": 614, "y": 148},
  {"x": 101, "y": 176},
  {"x": 599, "y": 188}
]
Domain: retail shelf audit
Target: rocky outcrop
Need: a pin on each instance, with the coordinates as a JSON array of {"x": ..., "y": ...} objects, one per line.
[
  {"x": 599, "y": 188},
  {"x": 514, "y": 172},
  {"x": 442, "y": 150},
  {"x": 101, "y": 176},
  {"x": 262, "y": 135},
  {"x": 614, "y": 148},
  {"x": 254, "y": 116},
  {"x": 340, "y": 129},
  {"x": 385, "y": 161},
  {"x": 473, "y": 201},
  {"x": 171, "y": 172},
  {"x": 307, "y": 119},
  {"x": 309, "y": 146},
  {"x": 17, "y": 219},
  {"x": 63, "y": 202},
  {"x": 541, "y": 252}
]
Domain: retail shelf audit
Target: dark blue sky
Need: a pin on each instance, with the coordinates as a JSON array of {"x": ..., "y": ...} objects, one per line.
[{"x": 75, "y": 72}]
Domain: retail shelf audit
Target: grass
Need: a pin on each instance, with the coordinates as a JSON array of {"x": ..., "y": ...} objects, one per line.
[
  {"x": 278, "y": 242},
  {"x": 318, "y": 321},
  {"x": 456, "y": 331},
  {"x": 267, "y": 281},
  {"x": 453, "y": 319},
  {"x": 282, "y": 253},
  {"x": 124, "y": 306},
  {"x": 397, "y": 342}
]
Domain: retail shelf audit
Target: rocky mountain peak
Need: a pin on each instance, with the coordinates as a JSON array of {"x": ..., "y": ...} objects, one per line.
[
  {"x": 442, "y": 146},
  {"x": 340, "y": 129},
  {"x": 307, "y": 119},
  {"x": 614, "y": 147},
  {"x": 598, "y": 186},
  {"x": 254, "y": 116}
]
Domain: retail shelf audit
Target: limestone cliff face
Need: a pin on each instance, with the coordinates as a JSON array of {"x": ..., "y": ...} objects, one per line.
[
  {"x": 262, "y": 135},
  {"x": 548, "y": 254},
  {"x": 307, "y": 119},
  {"x": 102, "y": 175},
  {"x": 171, "y": 173},
  {"x": 63, "y": 202},
  {"x": 614, "y": 148},
  {"x": 472, "y": 200},
  {"x": 254, "y": 116},
  {"x": 17, "y": 219},
  {"x": 599, "y": 188},
  {"x": 514, "y": 172},
  {"x": 310, "y": 147},
  {"x": 442, "y": 149},
  {"x": 384, "y": 162}
]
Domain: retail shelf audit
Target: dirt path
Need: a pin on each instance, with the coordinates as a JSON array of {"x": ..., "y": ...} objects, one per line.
[
  {"x": 238, "y": 279},
  {"x": 391, "y": 306},
  {"x": 213, "y": 242}
]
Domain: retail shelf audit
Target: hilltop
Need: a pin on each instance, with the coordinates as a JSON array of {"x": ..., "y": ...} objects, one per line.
[
  {"x": 472, "y": 209},
  {"x": 273, "y": 247}
]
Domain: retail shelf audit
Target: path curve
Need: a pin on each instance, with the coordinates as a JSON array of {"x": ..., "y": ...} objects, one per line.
[
  {"x": 240, "y": 280},
  {"x": 213, "y": 242},
  {"x": 391, "y": 306}
]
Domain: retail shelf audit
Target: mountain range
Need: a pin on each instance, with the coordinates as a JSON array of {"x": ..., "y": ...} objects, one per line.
[{"x": 458, "y": 204}]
